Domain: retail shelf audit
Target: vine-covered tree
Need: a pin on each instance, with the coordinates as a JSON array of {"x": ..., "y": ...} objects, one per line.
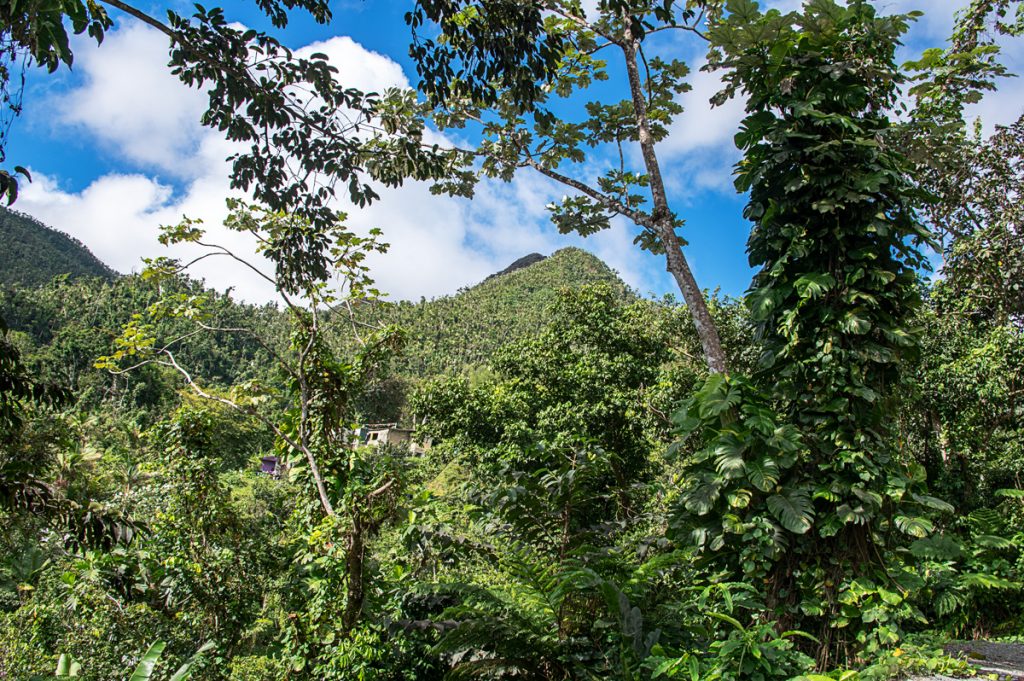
[{"x": 799, "y": 482}]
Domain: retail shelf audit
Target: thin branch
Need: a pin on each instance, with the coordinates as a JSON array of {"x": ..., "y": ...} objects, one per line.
[
  {"x": 597, "y": 48},
  {"x": 145, "y": 18},
  {"x": 639, "y": 217},
  {"x": 381, "y": 490},
  {"x": 690, "y": 28},
  {"x": 647, "y": 71},
  {"x": 581, "y": 21},
  {"x": 310, "y": 459}
]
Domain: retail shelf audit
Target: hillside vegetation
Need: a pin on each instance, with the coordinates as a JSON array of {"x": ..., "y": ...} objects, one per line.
[
  {"x": 823, "y": 481},
  {"x": 65, "y": 325},
  {"x": 465, "y": 329},
  {"x": 33, "y": 254}
]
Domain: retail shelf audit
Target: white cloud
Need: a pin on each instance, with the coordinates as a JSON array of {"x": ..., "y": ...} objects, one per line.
[
  {"x": 357, "y": 66},
  {"x": 118, "y": 216},
  {"x": 1006, "y": 104},
  {"x": 700, "y": 141},
  {"x": 148, "y": 122},
  {"x": 127, "y": 101},
  {"x": 700, "y": 126},
  {"x": 130, "y": 102}
]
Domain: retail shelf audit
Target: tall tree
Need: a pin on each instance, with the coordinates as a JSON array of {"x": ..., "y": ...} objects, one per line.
[
  {"x": 522, "y": 72},
  {"x": 318, "y": 383},
  {"x": 800, "y": 484},
  {"x": 973, "y": 181}
]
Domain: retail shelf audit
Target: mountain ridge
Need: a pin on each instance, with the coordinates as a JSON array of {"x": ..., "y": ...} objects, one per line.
[
  {"x": 455, "y": 333},
  {"x": 34, "y": 253}
]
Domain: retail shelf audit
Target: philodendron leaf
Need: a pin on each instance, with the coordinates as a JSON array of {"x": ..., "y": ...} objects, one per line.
[
  {"x": 814, "y": 284},
  {"x": 793, "y": 511},
  {"x": 914, "y": 526},
  {"x": 702, "y": 499},
  {"x": 763, "y": 473}
]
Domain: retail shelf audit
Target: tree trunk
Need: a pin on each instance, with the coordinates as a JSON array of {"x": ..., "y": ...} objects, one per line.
[
  {"x": 354, "y": 570},
  {"x": 676, "y": 263}
]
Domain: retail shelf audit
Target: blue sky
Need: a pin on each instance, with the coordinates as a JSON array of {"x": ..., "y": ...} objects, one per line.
[{"x": 116, "y": 150}]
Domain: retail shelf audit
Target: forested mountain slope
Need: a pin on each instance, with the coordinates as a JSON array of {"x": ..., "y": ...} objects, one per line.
[
  {"x": 453, "y": 332},
  {"x": 70, "y": 324},
  {"x": 31, "y": 254}
]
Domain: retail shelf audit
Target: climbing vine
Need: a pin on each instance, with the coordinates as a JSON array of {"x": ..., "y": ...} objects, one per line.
[{"x": 799, "y": 483}]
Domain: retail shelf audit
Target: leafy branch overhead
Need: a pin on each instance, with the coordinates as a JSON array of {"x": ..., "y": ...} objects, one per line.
[{"x": 303, "y": 137}]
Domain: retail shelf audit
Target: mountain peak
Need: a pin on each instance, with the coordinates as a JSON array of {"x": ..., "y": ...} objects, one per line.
[{"x": 519, "y": 264}]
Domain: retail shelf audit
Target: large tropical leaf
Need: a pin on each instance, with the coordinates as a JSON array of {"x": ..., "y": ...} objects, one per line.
[
  {"x": 793, "y": 511},
  {"x": 717, "y": 396},
  {"x": 702, "y": 499},
  {"x": 185, "y": 670},
  {"x": 933, "y": 503},
  {"x": 144, "y": 671},
  {"x": 763, "y": 473},
  {"x": 915, "y": 526},
  {"x": 729, "y": 456},
  {"x": 814, "y": 284}
]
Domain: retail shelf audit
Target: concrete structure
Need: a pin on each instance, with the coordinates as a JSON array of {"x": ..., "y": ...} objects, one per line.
[{"x": 377, "y": 434}]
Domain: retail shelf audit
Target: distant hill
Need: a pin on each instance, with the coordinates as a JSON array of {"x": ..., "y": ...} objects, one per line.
[
  {"x": 32, "y": 254},
  {"x": 455, "y": 333},
  {"x": 462, "y": 330}
]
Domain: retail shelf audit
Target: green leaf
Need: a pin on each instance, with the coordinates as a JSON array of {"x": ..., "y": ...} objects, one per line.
[
  {"x": 703, "y": 499},
  {"x": 983, "y": 581},
  {"x": 144, "y": 671},
  {"x": 855, "y": 325},
  {"x": 761, "y": 302},
  {"x": 716, "y": 396},
  {"x": 814, "y": 285},
  {"x": 763, "y": 473},
  {"x": 991, "y": 541},
  {"x": 67, "y": 666},
  {"x": 793, "y": 511},
  {"x": 933, "y": 503},
  {"x": 726, "y": 618},
  {"x": 185, "y": 670},
  {"x": 915, "y": 526},
  {"x": 729, "y": 456}
]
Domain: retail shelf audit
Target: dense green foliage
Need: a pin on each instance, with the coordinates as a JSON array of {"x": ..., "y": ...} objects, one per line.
[
  {"x": 799, "y": 481},
  {"x": 34, "y": 254},
  {"x": 596, "y": 501},
  {"x": 449, "y": 333}
]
